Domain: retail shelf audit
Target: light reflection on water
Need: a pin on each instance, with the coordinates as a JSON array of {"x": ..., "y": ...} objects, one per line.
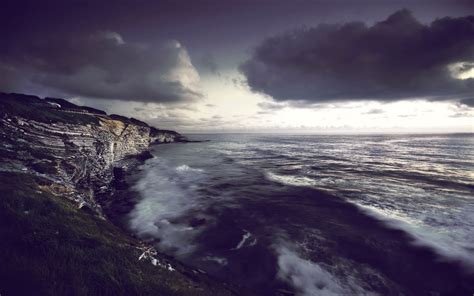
[
  {"x": 425, "y": 183},
  {"x": 212, "y": 203}
]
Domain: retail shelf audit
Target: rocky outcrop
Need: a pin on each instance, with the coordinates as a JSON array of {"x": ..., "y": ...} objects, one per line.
[{"x": 75, "y": 147}]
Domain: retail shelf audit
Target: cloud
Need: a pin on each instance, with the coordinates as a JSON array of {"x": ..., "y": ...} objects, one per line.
[
  {"x": 271, "y": 106},
  {"x": 209, "y": 63},
  {"x": 100, "y": 65},
  {"x": 468, "y": 102},
  {"x": 464, "y": 109},
  {"x": 239, "y": 83},
  {"x": 462, "y": 115},
  {"x": 395, "y": 59},
  {"x": 374, "y": 111}
]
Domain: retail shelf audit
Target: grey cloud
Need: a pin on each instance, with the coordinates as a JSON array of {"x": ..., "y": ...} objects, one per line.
[
  {"x": 101, "y": 65},
  {"x": 208, "y": 62},
  {"x": 468, "y": 102},
  {"x": 271, "y": 106},
  {"x": 374, "y": 111},
  {"x": 395, "y": 59},
  {"x": 462, "y": 115},
  {"x": 239, "y": 83}
]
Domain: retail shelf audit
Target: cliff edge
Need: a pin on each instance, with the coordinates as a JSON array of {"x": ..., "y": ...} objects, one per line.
[{"x": 74, "y": 147}]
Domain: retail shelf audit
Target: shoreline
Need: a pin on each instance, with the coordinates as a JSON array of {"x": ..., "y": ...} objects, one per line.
[{"x": 119, "y": 199}]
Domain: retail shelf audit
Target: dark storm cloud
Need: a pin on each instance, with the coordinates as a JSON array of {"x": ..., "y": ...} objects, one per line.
[
  {"x": 55, "y": 47},
  {"x": 100, "y": 65},
  {"x": 398, "y": 58}
]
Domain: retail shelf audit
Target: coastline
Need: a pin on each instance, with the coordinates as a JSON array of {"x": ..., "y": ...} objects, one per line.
[
  {"x": 57, "y": 163},
  {"x": 120, "y": 198}
]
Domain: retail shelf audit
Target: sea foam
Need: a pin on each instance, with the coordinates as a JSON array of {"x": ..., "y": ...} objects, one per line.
[
  {"x": 309, "y": 278},
  {"x": 167, "y": 197}
]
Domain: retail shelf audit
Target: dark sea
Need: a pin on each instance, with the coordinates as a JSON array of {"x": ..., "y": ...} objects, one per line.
[{"x": 316, "y": 214}]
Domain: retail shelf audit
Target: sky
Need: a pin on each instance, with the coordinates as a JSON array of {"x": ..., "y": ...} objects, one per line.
[{"x": 291, "y": 66}]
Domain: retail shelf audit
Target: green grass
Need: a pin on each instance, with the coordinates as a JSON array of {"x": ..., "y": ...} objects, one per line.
[
  {"x": 36, "y": 109},
  {"x": 50, "y": 247}
]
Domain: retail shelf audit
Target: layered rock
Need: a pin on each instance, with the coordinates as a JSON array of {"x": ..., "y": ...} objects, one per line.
[{"x": 74, "y": 147}]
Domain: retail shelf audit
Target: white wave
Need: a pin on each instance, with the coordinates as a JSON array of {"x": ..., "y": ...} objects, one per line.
[
  {"x": 167, "y": 195},
  {"x": 186, "y": 168},
  {"x": 447, "y": 245},
  {"x": 219, "y": 260},
  {"x": 253, "y": 242},
  {"x": 445, "y": 228},
  {"x": 244, "y": 239},
  {"x": 291, "y": 180},
  {"x": 309, "y": 278}
]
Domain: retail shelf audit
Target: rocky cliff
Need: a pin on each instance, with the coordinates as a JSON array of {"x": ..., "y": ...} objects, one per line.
[
  {"x": 75, "y": 147},
  {"x": 57, "y": 164}
]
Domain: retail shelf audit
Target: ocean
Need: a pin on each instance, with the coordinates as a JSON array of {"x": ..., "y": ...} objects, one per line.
[{"x": 315, "y": 214}]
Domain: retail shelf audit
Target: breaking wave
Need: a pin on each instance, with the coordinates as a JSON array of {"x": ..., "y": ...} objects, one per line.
[
  {"x": 168, "y": 200},
  {"x": 309, "y": 278}
]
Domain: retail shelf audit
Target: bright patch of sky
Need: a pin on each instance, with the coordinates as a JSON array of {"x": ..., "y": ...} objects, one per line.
[{"x": 229, "y": 105}]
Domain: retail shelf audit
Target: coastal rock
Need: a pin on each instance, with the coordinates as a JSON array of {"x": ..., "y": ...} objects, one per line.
[{"x": 75, "y": 147}]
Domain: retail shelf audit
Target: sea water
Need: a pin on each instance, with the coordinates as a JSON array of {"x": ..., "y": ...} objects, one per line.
[{"x": 295, "y": 213}]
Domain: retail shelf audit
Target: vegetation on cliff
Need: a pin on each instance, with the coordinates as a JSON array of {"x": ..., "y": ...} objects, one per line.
[{"x": 51, "y": 247}]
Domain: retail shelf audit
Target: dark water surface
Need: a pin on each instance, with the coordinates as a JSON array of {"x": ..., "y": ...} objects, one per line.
[{"x": 316, "y": 215}]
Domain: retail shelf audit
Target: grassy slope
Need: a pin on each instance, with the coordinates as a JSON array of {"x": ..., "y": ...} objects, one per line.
[
  {"x": 33, "y": 108},
  {"x": 50, "y": 247}
]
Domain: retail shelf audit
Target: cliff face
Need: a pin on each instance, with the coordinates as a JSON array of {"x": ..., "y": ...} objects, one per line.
[{"x": 75, "y": 147}]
